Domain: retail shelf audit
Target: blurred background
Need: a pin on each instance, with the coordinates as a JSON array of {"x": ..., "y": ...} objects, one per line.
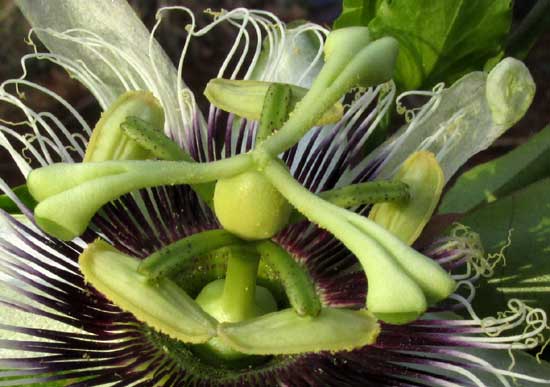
[{"x": 203, "y": 60}]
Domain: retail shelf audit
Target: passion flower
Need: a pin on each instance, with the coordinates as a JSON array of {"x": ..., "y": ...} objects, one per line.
[{"x": 132, "y": 272}]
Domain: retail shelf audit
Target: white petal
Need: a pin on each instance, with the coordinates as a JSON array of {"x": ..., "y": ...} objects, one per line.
[
  {"x": 107, "y": 47},
  {"x": 459, "y": 122},
  {"x": 10, "y": 315},
  {"x": 296, "y": 57}
]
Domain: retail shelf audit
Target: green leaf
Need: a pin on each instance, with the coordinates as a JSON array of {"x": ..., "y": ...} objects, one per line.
[
  {"x": 23, "y": 194},
  {"x": 525, "y": 273},
  {"x": 524, "y": 37},
  {"x": 442, "y": 40},
  {"x": 499, "y": 177},
  {"x": 524, "y": 364},
  {"x": 357, "y": 13}
]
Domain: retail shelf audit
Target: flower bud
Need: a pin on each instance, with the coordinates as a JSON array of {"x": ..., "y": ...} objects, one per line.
[{"x": 246, "y": 99}]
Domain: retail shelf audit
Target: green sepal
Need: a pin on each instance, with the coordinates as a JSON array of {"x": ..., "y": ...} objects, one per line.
[
  {"x": 246, "y": 98},
  {"x": 298, "y": 285},
  {"x": 162, "y": 305},
  {"x": 22, "y": 192},
  {"x": 510, "y": 89},
  {"x": 285, "y": 333},
  {"x": 172, "y": 257},
  {"x": 108, "y": 141}
]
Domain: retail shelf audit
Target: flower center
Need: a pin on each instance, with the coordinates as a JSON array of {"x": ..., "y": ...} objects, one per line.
[{"x": 233, "y": 299}]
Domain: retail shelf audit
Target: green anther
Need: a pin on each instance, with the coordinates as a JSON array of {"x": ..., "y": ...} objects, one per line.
[
  {"x": 367, "y": 193},
  {"x": 250, "y": 207},
  {"x": 406, "y": 220},
  {"x": 362, "y": 193},
  {"x": 246, "y": 98},
  {"x": 82, "y": 189},
  {"x": 163, "y": 305},
  {"x": 108, "y": 141},
  {"x": 286, "y": 333},
  {"x": 171, "y": 257},
  {"x": 275, "y": 110},
  {"x": 162, "y": 147},
  {"x": 298, "y": 285},
  {"x": 153, "y": 140}
]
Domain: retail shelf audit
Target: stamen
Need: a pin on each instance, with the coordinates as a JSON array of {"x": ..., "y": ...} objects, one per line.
[
  {"x": 298, "y": 285},
  {"x": 284, "y": 332},
  {"x": 381, "y": 254},
  {"x": 163, "y": 305},
  {"x": 171, "y": 257},
  {"x": 361, "y": 194},
  {"x": 151, "y": 139},
  {"x": 108, "y": 141}
]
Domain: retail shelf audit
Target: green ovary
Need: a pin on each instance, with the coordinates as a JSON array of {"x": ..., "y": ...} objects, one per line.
[{"x": 250, "y": 207}]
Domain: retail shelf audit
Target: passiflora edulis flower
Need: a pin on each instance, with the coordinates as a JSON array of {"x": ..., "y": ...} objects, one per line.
[{"x": 258, "y": 245}]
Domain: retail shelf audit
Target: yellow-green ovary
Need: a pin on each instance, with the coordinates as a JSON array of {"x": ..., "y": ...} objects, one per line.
[{"x": 250, "y": 207}]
